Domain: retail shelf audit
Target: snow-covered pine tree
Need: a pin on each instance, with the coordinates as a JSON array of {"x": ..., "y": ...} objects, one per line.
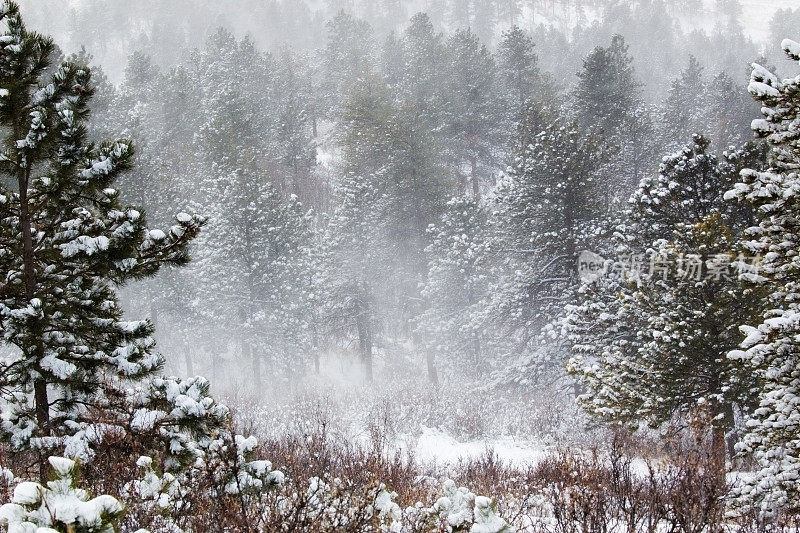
[
  {"x": 458, "y": 13},
  {"x": 456, "y": 282},
  {"x": 771, "y": 349},
  {"x": 287, "y": 266},
  {"x": 607, "y": 102},
  {"x": 422, "y": 70},
  {"x": 517, "y": 67},
  {"x": 651, "y": 337},
  {"x": 518, "y": 74},
  {"x": 158, "y": 113},
  {"x": 509, "y": 11},
  {"x": 607, "y": 90},
  {"x": 353, "y": 271},
  {"x": 294, "y": 125},
  {"x": 252, "y": 260},
  {"x": 60, "y": 505},
  {"x": 472, "y": 104},
  {"x": 104, "y": 94},
  {"x": 684, "y": 112},
  {"x": 390, "y": 190},
  {"x": 543, "y": 209},
  {"x": 66, "y": 243},
  {"x": 730, "y": 110},
  {"x": 243, "y": 157},
  {"x": 484, "y": 18},
  {"x": 347, "y": 55}
]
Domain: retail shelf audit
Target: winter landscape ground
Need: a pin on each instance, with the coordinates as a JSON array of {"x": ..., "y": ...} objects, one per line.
[{"x": 400, "y": 266}]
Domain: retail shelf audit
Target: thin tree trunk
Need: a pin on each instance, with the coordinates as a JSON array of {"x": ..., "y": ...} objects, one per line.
[
  {"x": 365, "y": 344},
  {"x": 476, "y": 186},
  {"x": 41, "y": 402},
  {"x": 433, "y": 374},
  {"x": 719, "y": 451},
  {"x": 42, "y": 421},
  {"x": 430, "y": 360},
  {"x": 719, "y": 448},
  {"x": 187, "y": 357},
  {"x": 476, "y": 352},
  {"x": 249, "y": 353}
]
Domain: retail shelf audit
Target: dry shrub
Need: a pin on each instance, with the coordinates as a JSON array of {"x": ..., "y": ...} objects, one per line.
[{"x": 629, "y": 484}]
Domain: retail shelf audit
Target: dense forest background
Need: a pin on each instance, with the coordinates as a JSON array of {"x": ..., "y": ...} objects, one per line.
[
  {"x": 544, "y": 248},
  {"x": 325, "y": 138}
]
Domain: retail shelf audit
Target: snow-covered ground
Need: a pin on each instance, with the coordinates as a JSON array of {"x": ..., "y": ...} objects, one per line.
[{"x": 435, "y": 446}]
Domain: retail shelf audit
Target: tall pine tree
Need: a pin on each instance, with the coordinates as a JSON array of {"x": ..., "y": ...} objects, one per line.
[
  {"x": 66, "y": 243},
  {"x": 653, "y": 334},
  {"x": 771, "y": 348}
]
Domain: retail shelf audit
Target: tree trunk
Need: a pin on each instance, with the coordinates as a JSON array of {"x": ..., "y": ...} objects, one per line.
[
  {"x": 365, "y": 344},
  {"x": 476, "y": 352},
  {"x": 187, "y": 357},
  {"x": 42, "y": 421},
  {"x": 255, "y": 359},
  {"x": 476, "y": 186},
  {"x": 41, "y": 402},
  {"x": 433, "y": 374},
  {"x": 719, "y": 452},
  {"x": 719, "y": 448}
]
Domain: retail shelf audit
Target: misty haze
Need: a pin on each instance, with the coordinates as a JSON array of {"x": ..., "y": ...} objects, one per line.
[{"x": 400, "y": 266}]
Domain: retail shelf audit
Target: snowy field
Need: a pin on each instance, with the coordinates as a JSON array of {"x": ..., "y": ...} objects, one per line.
[{"x": 436, "y": 446}]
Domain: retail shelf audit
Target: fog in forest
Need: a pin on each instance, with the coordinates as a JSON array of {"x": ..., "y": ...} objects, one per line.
[
  {"x": 354, "y": 162},
  {"x": 461, "y": 230}
]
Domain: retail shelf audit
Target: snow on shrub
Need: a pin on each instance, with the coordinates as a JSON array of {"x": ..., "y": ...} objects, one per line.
[
  {"x": 461, "y": 510},
  {"x": 60, "y": 506}
]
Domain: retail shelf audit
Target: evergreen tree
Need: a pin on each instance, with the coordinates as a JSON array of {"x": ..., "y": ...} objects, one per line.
[
  {"x": 544, "y": 208},
  {"x": 458, "y": 275},
  {"x": 685, "y": 112},
  {"x": 637, "y": 151},
  {"x": 606, "y": 102},
  {"x": 104, "y": 93},
  {"x": 729, "y": 112},
  {"x": 422, "y": 71},
  {"x": 155, "y": 111},
  {"x": 458, "y": 13},
  {"x": 770, "y": 350},
  {"x": 66, "y": 243},
  {"x": 389, "y": 192},
  {"x": 517, "y": 66},
  {"x": 252, "y": 261},
  {"x": 510, "y": 11},
  {"x": 61, "y": 506},
  {"x": 520, "y": 79},
  {"x": 471, "y": 109},
  {"x": 484, "y": 18},
  {"x": 656, "y": 330},
  {"x": 607, "y": 90},
  {"x": 347, "y": 56},
  {"x": 294, "y": 126}
]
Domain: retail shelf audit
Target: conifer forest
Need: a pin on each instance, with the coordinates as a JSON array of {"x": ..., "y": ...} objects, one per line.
[{"x": 400, "y": 266}]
